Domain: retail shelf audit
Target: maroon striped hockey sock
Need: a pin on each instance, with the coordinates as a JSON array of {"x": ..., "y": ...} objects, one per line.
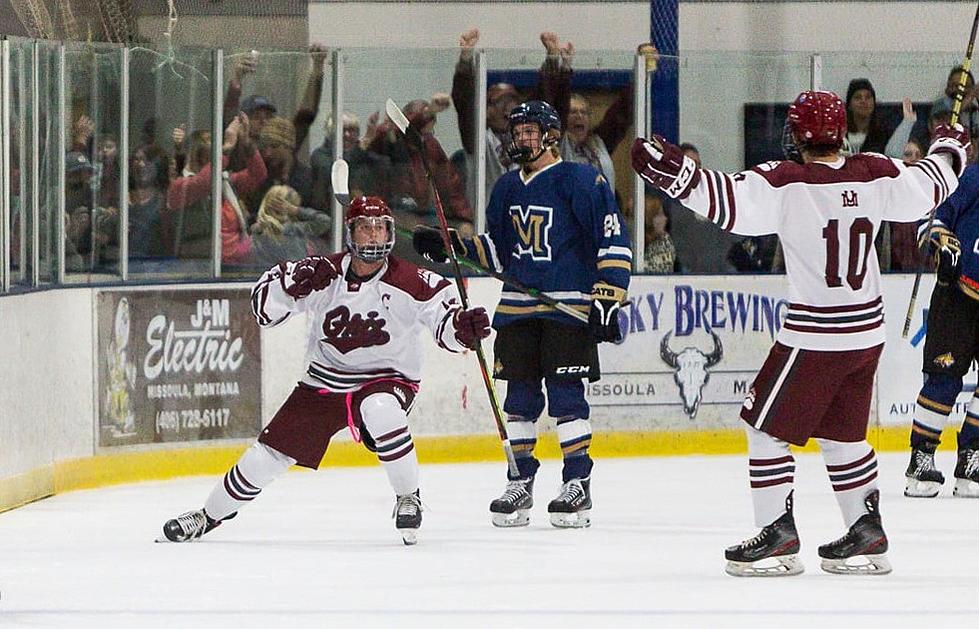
[
  {"x": 852, "y": 469},
  {"x": 771, "y": 468},
  {"x": 256, "y": 468}
]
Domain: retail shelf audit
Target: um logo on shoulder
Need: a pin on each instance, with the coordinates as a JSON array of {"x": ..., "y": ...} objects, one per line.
[{"x": 850, "y": 198}]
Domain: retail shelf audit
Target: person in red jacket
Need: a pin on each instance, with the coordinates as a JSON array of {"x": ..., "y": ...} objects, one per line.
[{"x": 188, "y": 197}]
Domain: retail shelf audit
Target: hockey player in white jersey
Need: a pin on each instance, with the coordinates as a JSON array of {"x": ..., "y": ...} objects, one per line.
[
  {"x": 365, "y": 309},
  {"x": 818, "y": 379}
]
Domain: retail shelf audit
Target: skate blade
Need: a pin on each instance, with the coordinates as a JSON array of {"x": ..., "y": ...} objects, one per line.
[
  {"x": 781, "y": 566},
  {"x": 965, "y": 488},
  {"x": 409, "y": 536},
  {"x": 579, "y": 520},
  {"x": 520, "y": 517},
  {"x": 870, "y": 565},
  {"x": 922, "y": 488}
]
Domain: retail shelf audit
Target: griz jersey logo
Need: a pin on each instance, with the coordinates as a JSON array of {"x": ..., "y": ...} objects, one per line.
[
  {"x": 347, "y": 332},
  {"x": 691, "y": 370},
  {"x": 533, "y": 227}
]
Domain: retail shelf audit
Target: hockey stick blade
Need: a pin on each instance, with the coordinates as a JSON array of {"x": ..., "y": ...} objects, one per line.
[
  {"x": 339, "y": 176},
  {"x": 401, "y": 122},
  {"x": 396, "y": 115}
]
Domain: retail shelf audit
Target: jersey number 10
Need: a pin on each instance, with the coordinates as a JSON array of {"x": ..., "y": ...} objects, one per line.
[{"x": 861, "y": 244}]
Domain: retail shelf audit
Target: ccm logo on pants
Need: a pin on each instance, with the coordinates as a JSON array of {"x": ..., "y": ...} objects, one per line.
[{"x": 573, "y": 369}]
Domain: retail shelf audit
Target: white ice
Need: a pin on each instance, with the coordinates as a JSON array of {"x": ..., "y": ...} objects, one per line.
[{"x": 320, "y": 550}]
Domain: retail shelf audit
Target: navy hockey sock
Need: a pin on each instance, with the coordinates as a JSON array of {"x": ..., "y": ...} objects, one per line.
[
  {"x": 969, "y": 434},
  {"x": 523, "y": 438},
  {"x": 933, "y": 407},
  {"x": 574, "y": 434}
]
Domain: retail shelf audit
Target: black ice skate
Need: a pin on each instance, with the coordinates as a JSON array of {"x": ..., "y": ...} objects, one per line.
[
  {"x": 408, "y": 516},
  {"x": 865, "y": 543},
  {"x": 774, "y": 552},
  {"x": 190, "y": 526},
  {"x": 572, "y": 508},
  {"x": 923, "y": 478},
  {"x": 967, "y": 472},
  {"x": 513, "y": 507}
]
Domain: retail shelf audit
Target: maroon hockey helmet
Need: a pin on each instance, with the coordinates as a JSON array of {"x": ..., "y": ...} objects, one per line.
[
  {"x": 373, "y": 210},
  {"x": 817, "y": 119}
]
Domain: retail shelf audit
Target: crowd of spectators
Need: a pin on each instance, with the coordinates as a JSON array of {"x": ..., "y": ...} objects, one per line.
[{"x": 276, "y": 196}]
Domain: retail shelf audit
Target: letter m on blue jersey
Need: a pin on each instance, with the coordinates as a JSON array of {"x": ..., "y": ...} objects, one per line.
[{"x": 533, "y": 227}]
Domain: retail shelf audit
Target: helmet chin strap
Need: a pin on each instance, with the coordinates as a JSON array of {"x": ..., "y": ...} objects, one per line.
[{"x": 523, "y": 154}]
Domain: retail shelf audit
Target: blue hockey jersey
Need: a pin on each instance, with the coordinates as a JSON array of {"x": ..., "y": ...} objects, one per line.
[
  {"x": 959, "y": 213},
  {"x": 558, "y": 230}
]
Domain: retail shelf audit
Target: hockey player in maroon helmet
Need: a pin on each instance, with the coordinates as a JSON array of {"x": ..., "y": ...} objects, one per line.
[
  {"x": 818, "y": 379},
  {"x": 364, "y": 310}
]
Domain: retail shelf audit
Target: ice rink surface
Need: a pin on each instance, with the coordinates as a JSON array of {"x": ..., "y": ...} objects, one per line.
[{"x": 320, "y": 550}]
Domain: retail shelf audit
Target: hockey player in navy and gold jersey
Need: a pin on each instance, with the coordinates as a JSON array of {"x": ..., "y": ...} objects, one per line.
[
  {"x": 553, "y": 226},
  {"x": 951, "y": 345}
]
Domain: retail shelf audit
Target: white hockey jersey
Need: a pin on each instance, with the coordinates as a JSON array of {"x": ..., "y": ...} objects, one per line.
[
  {"x": 364, "y": 332},
  {"x": 826, "y": 216}
]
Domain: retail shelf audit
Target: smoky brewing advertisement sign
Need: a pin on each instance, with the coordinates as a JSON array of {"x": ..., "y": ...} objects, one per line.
[{"x": 177, "y": 365}]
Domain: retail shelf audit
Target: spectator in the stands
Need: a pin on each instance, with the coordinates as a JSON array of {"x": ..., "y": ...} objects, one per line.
[
  {"x": 410, "y": 187},
  {"x": 283, "y": 228},
  {"x": 278, "y": 144},
  {"x": 865, "y": 132},
  {"x": 261, "y": 109},
  {"x": 370, "y": 173},
  {"x": 501, "y": 98},
  {"x": 660, "y": 253},
  {"x": 189, "y": 196},
  {"x": 969, "y": 110}
]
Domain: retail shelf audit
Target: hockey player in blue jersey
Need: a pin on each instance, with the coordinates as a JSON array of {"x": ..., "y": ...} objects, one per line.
[
  {"x": 951, "y": 345},
  {"x": 553, "y": 226}
]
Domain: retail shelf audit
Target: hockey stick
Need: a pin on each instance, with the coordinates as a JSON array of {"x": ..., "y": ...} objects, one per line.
[
  {"x": 412, "y": 135},
  {"x": 519, "y": 286},
  {"x": 956, "y": 109},
  {"x": 339, "y": 177}
]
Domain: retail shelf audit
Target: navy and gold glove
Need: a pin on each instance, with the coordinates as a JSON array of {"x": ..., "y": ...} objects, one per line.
[
  {"x": 603, "y": 318},
  {"x": 942, "y": 243},
  {"x": 948, "y": 260}
]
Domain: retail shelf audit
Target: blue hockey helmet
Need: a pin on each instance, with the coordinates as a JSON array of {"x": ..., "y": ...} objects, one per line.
[{"x": 535, "y": 112}]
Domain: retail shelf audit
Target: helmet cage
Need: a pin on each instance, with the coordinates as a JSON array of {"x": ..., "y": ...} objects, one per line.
[
  {"x": 534, "y": 112},
  {"x": 373, "y": 251}
]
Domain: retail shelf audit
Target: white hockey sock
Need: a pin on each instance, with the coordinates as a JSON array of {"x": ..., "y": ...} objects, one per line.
[
  {"x": 852, "y": 469},
  {"x": 257, "y": 467},
  {"x": 387, "y": 423},
  {"x": 771, "y": 468}
]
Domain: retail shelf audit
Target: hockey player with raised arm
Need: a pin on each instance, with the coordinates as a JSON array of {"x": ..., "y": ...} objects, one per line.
[
  {"x": 817, "y": 381},
  {"x": 951, "y": 345},
  {"x": 553, "y": 226},
  {"x": 365, "y": 309}
]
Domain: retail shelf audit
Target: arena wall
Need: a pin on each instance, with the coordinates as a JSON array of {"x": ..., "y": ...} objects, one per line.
[{"x": 49, "y": 366}]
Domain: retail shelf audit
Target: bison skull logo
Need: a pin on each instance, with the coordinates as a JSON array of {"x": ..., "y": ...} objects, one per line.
[{"x": 690, "y": 369}]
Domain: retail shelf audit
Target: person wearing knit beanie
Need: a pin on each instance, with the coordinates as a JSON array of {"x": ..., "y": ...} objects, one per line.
[
  {"x": 278, "y": 130},
  {"x": 865, "y": 132}
]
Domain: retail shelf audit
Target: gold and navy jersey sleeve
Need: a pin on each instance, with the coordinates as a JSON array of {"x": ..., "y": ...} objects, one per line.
[{"x": 596, "y": 209}]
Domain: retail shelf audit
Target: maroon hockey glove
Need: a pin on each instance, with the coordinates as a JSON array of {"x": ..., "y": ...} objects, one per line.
[
  {"x": 472, "y": 326},
  {"x": 665, "y": 166},
  {"x": 309, "y": 274},
  {"x": 953, "y": 141}
]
